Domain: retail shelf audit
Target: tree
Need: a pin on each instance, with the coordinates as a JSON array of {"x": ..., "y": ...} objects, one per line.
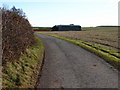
[
  {"x": 13, "y": 9},
  {"x": 18, "y": 11}
]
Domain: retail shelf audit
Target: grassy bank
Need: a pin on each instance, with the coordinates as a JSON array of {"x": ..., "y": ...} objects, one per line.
[
  {"x": 23, "y": 73},
  {"x": 112, "y": 57}
]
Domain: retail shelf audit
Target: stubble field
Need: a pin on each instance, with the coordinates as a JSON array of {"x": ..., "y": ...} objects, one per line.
[
  {"x": 103, "y": 36},
  {"x": 102, "y": 41}
]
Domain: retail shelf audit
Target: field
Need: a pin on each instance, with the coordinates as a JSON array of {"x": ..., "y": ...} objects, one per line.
[
  {"x": 103, "y": 41},
  {"x": 41, "y": 28},
  {"x": 103, "y": 36}
]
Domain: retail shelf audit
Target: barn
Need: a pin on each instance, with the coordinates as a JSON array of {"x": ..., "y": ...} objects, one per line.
[{"x": 70, "y": 27}]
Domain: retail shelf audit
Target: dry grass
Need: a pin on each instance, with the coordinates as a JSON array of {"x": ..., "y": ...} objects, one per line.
[
  {"x": 102, "y": 41},
  {"x": 106, "y": 37}
]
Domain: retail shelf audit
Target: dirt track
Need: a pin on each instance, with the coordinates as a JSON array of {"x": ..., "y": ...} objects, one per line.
[{"x": 69, "y": 66}]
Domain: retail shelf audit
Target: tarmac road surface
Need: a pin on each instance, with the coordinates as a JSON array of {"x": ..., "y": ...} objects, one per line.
[{"x": 69, "y": 66}]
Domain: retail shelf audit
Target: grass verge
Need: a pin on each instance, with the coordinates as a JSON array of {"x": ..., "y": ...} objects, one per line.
[
  {"x": 112, "y": 57},
  {"x": 23, "y": 73}
]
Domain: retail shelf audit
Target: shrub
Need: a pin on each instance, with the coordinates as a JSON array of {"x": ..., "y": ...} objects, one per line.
[{"x": 17, "y": 35}]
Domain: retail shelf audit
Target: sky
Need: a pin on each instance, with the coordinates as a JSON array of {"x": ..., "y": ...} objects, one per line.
[{"x": 87, "y": 13}]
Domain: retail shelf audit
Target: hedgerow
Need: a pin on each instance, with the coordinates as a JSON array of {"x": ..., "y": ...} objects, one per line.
[{"x": 17, "y": 34}]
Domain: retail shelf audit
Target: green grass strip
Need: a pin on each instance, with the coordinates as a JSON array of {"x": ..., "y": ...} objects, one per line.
[{"x": 107, "y": 55}]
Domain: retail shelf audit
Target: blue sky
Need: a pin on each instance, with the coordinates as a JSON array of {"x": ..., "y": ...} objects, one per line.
[{"x": 48, "y": 13}]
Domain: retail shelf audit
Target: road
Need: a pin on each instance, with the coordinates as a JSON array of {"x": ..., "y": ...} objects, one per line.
[{"x": 69, "y": 66}]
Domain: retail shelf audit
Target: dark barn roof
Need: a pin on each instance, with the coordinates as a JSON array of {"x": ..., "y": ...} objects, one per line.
[{"x": 66, "y": 28}]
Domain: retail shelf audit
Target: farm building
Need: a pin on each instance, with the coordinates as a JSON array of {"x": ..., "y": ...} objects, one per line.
[{"x": 66, "y": 28}]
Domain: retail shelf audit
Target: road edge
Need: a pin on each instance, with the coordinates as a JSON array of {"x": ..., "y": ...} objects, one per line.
[{"x": 109, "y": 59}]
